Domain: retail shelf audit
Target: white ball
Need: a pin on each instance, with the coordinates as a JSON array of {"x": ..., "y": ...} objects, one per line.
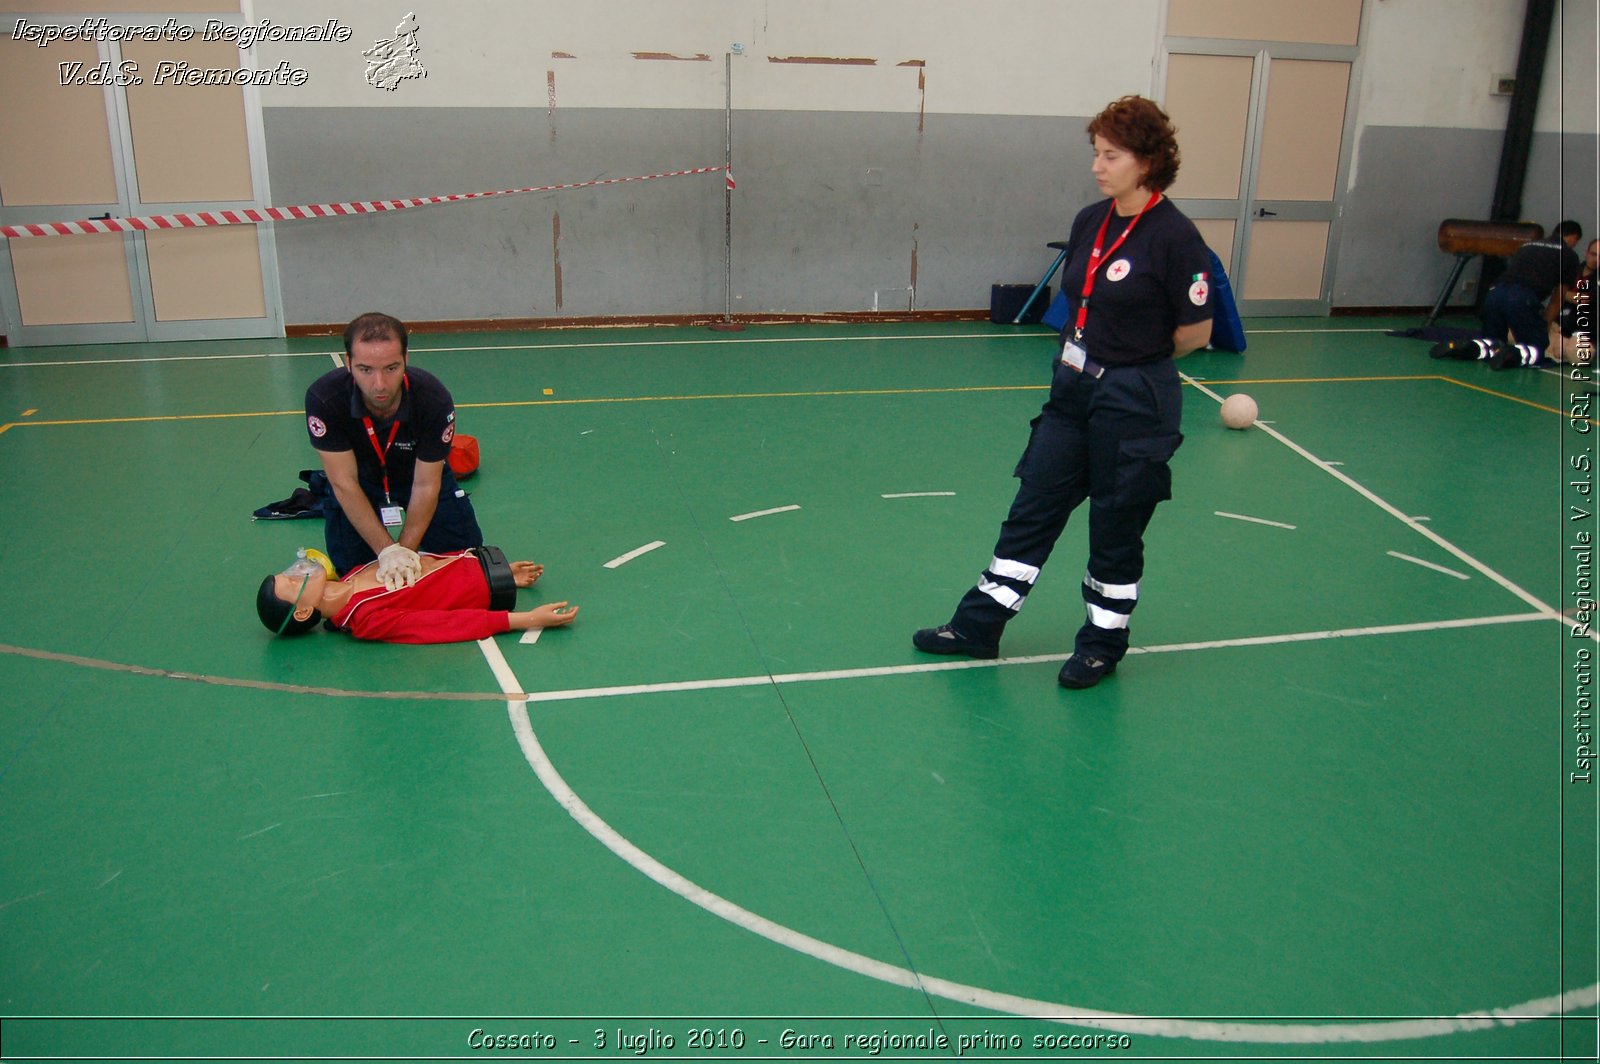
[{"x": 1239, "y": 411}]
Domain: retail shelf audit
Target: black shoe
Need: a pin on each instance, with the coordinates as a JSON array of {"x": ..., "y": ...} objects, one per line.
[
  {"x": 946, "y": 640},
  {"x": 1462, "y": 350},
  {"x": 1080, "y": 671},
  {"x": 1516, "y": 356}
]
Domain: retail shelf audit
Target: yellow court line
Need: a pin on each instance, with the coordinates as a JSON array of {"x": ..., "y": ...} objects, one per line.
[
  {"x": 1514, "y": 399},
  {"x": 771, "y": 395},
  {"x": 761, "y": 395},
  {"x": 1221, "y": 383},
  {"x": 678, "y": 398},
  {"x": 562, "y": 402},
  {"x": 157, "y": 417},
  {"x": 1423, "y": 377}
]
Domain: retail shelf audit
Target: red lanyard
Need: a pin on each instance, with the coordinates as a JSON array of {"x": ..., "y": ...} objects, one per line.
[
  {"x": 382, "y": 452},
  {"x": 1096, "y": 257}
]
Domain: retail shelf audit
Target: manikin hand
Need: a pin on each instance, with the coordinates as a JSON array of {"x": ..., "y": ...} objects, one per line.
[
  {"x": 550, "y": 615},
  {"x": 398, "y": 567}
]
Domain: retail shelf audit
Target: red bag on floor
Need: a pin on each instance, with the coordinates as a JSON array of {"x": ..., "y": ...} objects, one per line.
[{"x": 463, "y": 455}]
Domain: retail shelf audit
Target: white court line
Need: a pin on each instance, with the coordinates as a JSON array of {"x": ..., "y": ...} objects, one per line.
[
  {"x": 166, "y": 358},
  {"x": 499, "y": 666},
  {"x": 531, "y": 635},
  {"x": 1252, "y": 520},
  {"x": 262, "y": 831},
  {"x": 724, "y": 682},
  {"x": 1258, "y": 1033},
  {"x": 624, "y": 559},
  {"x": 1427, "y": 565},
  {"x": 337, "y": 361},
  {"x": 1389, "y": 509},
  {"x": 730, "y": 340},
  {"x": 1559, "y": 369},
  {"x": 918, "y": 494},
  {"x": 617, "y": 343},
  {"x": 336, "y": 355},
  {"x": 765, "y": 513}
]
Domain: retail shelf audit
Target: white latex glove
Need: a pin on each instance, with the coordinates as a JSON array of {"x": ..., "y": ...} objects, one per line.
[{"x": 398, "y": 567}]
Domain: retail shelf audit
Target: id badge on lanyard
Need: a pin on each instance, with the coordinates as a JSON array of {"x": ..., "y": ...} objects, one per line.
[
  {"x": 1073, "y": 354},
  {"x": 392, "y": 516}
]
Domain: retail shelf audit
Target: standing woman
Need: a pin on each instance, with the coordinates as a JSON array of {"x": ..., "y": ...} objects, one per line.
[{"x": 1138, "y": 287}]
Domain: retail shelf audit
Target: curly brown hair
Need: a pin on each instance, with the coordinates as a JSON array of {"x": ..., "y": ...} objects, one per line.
[{"x": 1137, "y": 125}]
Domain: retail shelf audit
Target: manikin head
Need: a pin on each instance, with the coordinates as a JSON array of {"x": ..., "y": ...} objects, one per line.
[{"x": 286, "y": 602}]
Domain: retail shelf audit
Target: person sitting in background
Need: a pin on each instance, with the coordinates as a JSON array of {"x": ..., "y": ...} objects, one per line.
[
  {"x": 462, "y": 596},
  {"x": 1518, "y": 310}
]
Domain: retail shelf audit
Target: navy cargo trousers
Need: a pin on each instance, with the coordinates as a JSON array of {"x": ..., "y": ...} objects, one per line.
[
  {"x": 1106, "y": 439},
  {"x": 454, "y": 526}
]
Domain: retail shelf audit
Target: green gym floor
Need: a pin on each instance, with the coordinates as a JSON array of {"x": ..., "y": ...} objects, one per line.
[{"x": 1326, "y": 809}]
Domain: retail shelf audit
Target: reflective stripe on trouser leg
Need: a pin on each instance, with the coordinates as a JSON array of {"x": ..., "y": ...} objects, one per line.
[
  {"x": 1026, "y": 537},
  {"x": 1111, "y": 591},
  {"x": 1002, "y": 594},
  {"x": 1008, "y": 582},
  {"x": 1110, "y": 620},
  {"x": 1508, "y": 356},
  {"x": 1013, "y": 570},
  {"x": 1112, "y": 583},
  {"x": 1109, "y": 605}
]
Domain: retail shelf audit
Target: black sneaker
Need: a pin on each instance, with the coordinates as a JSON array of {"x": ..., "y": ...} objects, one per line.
[
  {"x": 1462, "y": 350},
  {"x": 1080, "y": 671},
  {"x": 1516, "y": 356},
  {"x": 946, "y": 640}
]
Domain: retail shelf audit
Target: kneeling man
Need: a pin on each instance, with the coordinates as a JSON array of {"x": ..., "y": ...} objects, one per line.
[{"x": 383, "y": 430}]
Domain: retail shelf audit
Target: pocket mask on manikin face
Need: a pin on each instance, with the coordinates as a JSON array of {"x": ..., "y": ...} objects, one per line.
[{"x": 308, "y": 562}]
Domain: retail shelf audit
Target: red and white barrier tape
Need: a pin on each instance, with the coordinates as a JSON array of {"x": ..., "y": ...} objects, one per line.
[{"x": 316, "y": 210}]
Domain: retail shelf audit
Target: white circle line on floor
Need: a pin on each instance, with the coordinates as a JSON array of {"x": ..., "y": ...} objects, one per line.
[{"x": 1127, "y": 1023}]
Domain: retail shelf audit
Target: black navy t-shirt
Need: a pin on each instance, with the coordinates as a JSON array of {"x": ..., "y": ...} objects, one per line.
[
  {"x": 1539, "y": 265},
  {"x": 426, "y": 424},
  {"x": 1159, "y": 279}
]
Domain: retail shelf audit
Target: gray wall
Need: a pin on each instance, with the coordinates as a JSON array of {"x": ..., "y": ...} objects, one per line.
[
  {"x": 646, "y": 247},
  {"x": 833, "y": 211},
  {"x": 1411, "y": 179}
]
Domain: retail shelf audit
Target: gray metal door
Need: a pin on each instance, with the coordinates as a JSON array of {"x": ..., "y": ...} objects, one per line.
[{"x": 97, "y": 136}]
